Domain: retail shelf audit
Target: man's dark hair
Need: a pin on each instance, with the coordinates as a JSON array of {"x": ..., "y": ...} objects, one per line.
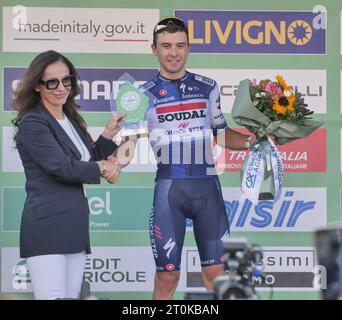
[{"x": 169, "y": 24}]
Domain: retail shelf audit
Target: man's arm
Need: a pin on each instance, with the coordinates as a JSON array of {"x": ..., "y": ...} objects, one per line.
[{"x": 232, "y": 139}]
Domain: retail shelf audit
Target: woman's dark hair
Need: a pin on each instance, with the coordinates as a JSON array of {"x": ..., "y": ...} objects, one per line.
[{"x": 25, "y": 97}]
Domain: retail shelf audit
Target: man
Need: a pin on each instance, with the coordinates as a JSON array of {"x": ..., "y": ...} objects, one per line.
[{"x": 184, "y": 111}]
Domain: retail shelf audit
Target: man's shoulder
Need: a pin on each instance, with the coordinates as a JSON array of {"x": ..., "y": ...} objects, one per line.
[
  {"x": 202, "y": 79},
  {"x": 149, "y": 84}
]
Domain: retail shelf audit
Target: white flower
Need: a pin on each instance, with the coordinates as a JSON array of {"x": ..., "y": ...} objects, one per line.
[{"x": 287, "y": 93}]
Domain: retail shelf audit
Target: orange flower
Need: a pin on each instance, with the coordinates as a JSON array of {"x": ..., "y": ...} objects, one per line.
[
  {"x": 291, "y": 99},
  {"x": 282, "y": 82}
]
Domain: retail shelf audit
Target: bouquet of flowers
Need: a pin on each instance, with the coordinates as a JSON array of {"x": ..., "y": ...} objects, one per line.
[{"x": 265, "y": 108}]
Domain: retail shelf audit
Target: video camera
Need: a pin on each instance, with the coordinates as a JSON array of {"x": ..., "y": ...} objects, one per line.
[
  {"x": 328, "y": 242},
  {"x": 240, "y": 263}
]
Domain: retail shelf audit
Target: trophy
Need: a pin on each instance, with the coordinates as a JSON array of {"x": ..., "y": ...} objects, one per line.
[{"x": 133, "y": 102}]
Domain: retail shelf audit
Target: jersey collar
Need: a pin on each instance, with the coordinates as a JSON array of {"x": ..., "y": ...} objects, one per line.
[{"x": 160, "y": 77}]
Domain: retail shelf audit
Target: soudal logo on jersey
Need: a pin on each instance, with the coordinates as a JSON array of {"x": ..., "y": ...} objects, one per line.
[{"x": 181, "y": 112}]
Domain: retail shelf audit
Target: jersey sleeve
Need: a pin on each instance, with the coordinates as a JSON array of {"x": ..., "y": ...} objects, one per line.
[{"x": 218, "y": 122}]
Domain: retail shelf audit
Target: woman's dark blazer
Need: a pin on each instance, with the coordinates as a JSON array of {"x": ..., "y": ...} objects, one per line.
[{"x": 55, "y": 217}]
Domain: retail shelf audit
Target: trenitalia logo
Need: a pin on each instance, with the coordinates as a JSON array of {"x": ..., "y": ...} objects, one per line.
[
  {"x": 303, "y": 155},
  {"x": 96, "y": 84},
  {"x": 283, "y": 32}
]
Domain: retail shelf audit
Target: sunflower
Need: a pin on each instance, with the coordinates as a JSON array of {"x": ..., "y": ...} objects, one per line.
[
  {"x": 278, "y": 108},
  {"x": 284, "y": 104},
  {"x": 282, "y": 82}
]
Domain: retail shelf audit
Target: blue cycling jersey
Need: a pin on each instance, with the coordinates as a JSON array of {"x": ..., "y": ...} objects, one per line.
[{"x": 182, "y": 116}]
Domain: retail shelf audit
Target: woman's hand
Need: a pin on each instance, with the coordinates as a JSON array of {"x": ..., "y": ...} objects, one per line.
[
  {"x": 110, "y": 169},
  {"x": 113, "y": 126}
]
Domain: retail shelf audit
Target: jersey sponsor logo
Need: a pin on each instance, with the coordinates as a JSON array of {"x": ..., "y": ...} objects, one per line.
[
  {"x": 147, "y": 86},
  {"x": 167, "y": 99},
  {"x": 162, "y": 92},
  {"x": 207, "y": 262},
  {"x": 220, "y": 116},
  {"x": 182, "y": 87},
  {"x": 188, "y": 111},
  {"x": 205, "y": 80},
  {"x": 183, "y": 124},
  {"x": 157, "y": 232},
  {"x": 170, "y": 244},
  {"x": 170, "y": 267},
  {"x": 181, "y": 116},
  {"x": 193, "y": 96},
  {"x": 185, "y": 131},
  {"x": 151, "y": 232}
]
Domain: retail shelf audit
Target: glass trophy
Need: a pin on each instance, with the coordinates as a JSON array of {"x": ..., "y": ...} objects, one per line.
[{"x": 134, "y": 103}]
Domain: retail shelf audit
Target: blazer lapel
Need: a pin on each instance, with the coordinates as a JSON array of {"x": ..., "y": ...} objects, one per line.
[
  {"x": 83, "y": 137},
  {"x": 61, "y": 135}
]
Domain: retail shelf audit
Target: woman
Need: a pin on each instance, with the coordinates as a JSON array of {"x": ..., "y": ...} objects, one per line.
[{"x": 58, "y": 156}]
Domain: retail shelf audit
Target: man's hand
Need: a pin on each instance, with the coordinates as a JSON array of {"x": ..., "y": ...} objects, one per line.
[
  {"x": 125, "y": 152},
  {"x": 273, "y": 137}
]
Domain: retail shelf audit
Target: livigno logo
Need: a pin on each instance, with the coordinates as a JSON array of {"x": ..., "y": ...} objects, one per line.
[
  {"x": 250, "y": 32},
  {"x": 111, "y": 209}
]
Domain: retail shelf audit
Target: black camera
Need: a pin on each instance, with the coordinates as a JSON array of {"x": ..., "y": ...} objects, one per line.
[
  {"x": 240, "y": 263},
  {"x": 328, "y": 242}
]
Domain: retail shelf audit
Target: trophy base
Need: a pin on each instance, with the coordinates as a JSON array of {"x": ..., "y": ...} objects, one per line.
[{"x": 127, "y": 132}]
